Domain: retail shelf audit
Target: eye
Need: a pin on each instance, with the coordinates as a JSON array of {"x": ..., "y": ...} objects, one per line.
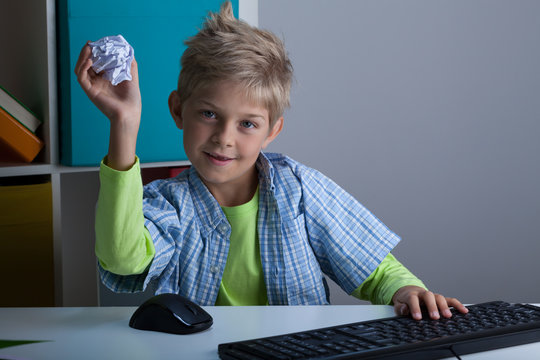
[
  {"x": 208, "y": 114},
  {"x": 247, "y": 124}
]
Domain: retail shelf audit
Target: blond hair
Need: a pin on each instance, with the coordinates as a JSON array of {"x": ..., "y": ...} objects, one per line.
[{"x": 231, "y": 50}]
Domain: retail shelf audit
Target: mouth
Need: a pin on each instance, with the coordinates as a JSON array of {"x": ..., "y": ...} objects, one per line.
[{"x": 218, "y": 159}]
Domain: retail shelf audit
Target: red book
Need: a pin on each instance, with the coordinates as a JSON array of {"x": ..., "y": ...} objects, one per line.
[{"x": 151, "y": 174}]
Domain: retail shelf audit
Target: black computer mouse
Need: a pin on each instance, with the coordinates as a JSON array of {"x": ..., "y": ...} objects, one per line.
[{"x": 170, "y": 313}]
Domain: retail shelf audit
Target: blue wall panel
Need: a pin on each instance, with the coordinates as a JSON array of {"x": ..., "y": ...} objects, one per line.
[{"x": 156, "y": 30}]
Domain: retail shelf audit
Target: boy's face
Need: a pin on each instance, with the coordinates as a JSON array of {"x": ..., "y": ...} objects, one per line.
[{"x": 223, "y": 136}]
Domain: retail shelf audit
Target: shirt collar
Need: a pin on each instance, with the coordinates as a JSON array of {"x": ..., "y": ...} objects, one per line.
[
  {"x": 208, "y": 209},
  {"x": 266, "y": 173}
]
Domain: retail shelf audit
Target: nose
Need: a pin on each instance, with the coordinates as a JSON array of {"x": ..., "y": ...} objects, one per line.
[{"x": 224, "y": 134}]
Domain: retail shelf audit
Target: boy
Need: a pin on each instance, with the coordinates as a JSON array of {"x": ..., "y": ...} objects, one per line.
[{"x": 240, "y": 227}]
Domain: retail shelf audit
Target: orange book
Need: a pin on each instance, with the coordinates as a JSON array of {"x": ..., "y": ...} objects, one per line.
[{"x": 22, "y": 141}]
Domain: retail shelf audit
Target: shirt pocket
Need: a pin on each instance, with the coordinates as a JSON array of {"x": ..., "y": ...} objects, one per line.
[{"x": 302, "y": 271}]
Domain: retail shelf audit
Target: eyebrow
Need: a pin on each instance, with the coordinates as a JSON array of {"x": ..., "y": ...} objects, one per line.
[{"x": 212, "y": 105}]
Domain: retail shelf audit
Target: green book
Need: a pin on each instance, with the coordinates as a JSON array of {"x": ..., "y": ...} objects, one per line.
[
  {"x": 18, "y": 110},
  {"x": 8, "y": 343}
]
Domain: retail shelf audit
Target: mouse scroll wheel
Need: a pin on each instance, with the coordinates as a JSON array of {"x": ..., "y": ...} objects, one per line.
[{"x": 192, "y": 308}]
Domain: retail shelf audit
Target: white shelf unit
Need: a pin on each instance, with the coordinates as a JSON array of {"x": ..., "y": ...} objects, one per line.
[{"x": 28, "y": 68}]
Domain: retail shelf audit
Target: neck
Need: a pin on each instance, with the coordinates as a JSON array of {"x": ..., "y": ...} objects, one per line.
[{"x": 237, "y": 193}]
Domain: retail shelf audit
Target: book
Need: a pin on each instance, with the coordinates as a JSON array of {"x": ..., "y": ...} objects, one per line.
[
  {"x": 24, "y": 145},
  {"x": 175, "y": 171},
  {"x": 26, "y": 225},
  {"x": 151, "y": 174},
  {"x": 18, "y": 110}
]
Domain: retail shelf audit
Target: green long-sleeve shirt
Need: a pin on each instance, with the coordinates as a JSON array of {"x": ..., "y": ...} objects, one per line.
[{"x": 124, "y": 245}]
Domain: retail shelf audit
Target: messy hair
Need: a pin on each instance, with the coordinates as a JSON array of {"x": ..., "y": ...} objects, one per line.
[{"x": 229, "y": 49}]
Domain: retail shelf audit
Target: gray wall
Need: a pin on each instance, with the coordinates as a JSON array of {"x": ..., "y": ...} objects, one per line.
[{"x": 428, "y": 113}]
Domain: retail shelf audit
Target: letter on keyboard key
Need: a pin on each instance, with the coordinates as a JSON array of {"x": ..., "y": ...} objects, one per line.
[
  {"x": 487, "y": 326},
  {"x": 264, "y": 353}
]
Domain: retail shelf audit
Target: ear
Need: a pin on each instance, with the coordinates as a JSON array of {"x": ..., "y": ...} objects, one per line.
[
  {"x": 175, "y": 107},
  {"x": 274, "y": 132}
]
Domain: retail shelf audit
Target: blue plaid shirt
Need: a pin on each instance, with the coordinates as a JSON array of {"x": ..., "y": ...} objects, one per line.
[{"x": 307, "y": 225}]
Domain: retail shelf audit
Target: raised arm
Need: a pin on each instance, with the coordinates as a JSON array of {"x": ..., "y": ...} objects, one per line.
[
  {"x": 121, "y": 104},
  {"x": 123, "y": 244}
]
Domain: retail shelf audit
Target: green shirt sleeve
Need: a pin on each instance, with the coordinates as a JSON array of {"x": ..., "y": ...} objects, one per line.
[
  {"x": 388, "y": 277},
  {"x": 123, "y": 244}
]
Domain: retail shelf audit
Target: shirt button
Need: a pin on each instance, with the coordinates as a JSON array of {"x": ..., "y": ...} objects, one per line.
[
  {"x": 214, "y": 269},
  {"x": 223, "y": 228}
]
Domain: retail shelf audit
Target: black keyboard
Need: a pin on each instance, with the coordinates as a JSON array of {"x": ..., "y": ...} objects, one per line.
[{"x": 485, "y": 327}]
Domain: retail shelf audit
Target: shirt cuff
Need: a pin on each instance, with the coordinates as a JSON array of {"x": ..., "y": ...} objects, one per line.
[{"x": 382, "y": 284}]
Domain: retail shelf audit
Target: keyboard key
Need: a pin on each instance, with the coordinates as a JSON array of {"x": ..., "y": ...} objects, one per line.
[
  {"x": 262, "y": 352},
  {"x": 398, "y": 335}
]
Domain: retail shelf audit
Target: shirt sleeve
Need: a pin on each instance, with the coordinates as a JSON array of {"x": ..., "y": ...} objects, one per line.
[
  {"x": 123, "y": 244},
  {"x": 347, "y": 239},
  {"x": 382, "y": 284}
]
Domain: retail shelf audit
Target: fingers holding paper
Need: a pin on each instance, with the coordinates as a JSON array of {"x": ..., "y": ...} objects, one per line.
[
  {"x": 118, "y": 102},
  {"x": 83, "y": 68}
]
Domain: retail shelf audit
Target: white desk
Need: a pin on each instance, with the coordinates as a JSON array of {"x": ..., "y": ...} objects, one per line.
[{"x": 103, "y": 333}]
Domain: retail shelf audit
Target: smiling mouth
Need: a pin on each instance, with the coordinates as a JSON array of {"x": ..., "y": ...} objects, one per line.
[{"x": 218, "y": 159}]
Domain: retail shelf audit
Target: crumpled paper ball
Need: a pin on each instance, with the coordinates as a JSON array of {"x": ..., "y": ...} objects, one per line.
[{"x": 113, "y": 55}]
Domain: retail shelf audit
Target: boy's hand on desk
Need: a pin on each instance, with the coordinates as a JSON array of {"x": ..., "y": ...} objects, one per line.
[
  {"x": 119, "y": 103},
  {"x": 409, "y": 299}
]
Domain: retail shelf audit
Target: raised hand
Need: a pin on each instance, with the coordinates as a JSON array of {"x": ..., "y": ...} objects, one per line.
[{"x": 121, "y": 104}]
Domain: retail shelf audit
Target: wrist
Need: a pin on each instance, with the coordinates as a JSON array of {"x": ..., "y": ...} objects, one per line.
[
  {"x": 126, "y": 125},
  {"x": 122, "y": 144}
]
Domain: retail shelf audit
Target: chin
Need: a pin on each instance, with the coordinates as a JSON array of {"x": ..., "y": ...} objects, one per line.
[{"x": 213, "y": 178}]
